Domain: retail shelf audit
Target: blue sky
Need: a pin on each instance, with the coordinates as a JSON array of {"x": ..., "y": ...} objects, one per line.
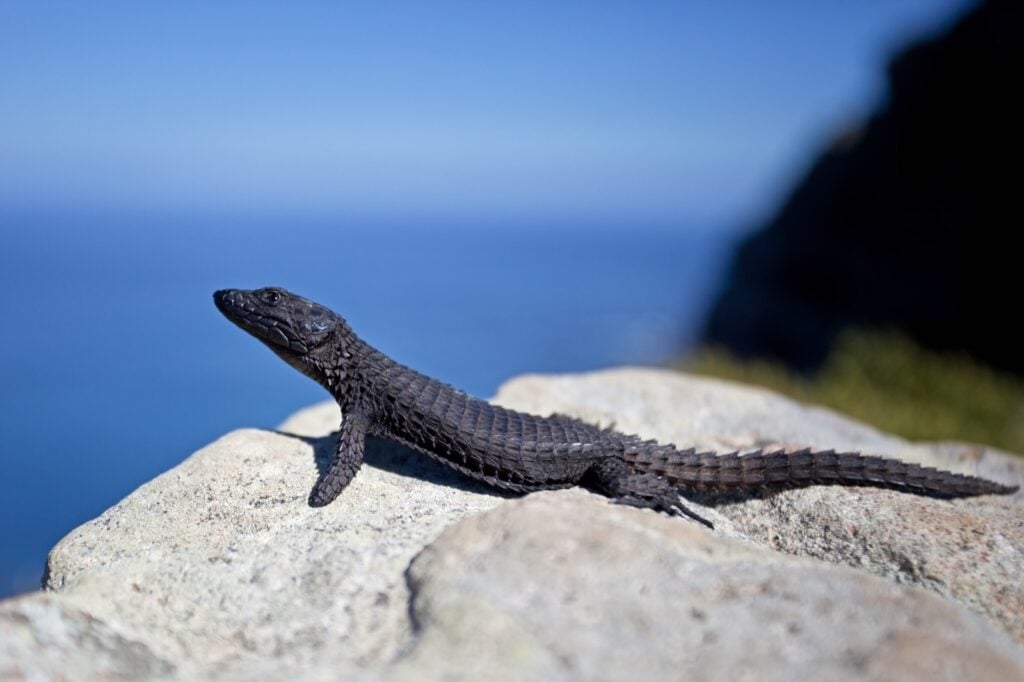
[{"x": 683, "y": 111}]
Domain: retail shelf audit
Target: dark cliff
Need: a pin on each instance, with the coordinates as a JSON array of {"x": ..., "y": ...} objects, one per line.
[{"x": 906, "y": 223}]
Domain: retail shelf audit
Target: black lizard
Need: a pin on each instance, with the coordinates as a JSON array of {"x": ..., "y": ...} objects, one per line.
[{"x": 523, "y": 452}]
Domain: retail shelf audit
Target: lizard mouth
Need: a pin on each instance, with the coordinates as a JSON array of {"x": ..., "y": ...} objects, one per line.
[{"x": 249, "y": 313}]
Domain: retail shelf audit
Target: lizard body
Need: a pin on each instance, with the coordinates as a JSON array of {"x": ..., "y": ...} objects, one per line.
[{"x": 524, "y": 452}]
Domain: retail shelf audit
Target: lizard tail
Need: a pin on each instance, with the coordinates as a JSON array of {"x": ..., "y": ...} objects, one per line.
[{"x": 709, "y": 472}]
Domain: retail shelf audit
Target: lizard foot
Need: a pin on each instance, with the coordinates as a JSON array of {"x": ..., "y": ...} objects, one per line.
[
  {"x": 617, "y": 480},
  {"x": 672, "y": 507}
]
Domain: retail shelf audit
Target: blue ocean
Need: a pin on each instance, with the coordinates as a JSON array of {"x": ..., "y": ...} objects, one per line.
[{"x": 115, "y": 365}]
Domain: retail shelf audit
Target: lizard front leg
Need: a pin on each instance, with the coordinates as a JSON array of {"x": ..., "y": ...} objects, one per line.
[
  {"x": 616, "y": 479},
  {"x": 347, "y": 459}
]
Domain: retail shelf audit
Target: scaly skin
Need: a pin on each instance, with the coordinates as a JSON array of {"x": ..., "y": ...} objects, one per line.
[{"x": 523, "y": 452}]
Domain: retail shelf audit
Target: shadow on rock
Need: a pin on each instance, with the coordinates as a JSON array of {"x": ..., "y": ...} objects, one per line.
[{"x": 397, "y": 459}]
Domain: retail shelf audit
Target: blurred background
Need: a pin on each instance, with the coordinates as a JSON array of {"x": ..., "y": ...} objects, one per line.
[{"x": 802, "y": 194}]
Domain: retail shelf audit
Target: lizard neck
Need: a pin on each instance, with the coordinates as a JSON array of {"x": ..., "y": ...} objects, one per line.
[{"x": 353, "y": 372}]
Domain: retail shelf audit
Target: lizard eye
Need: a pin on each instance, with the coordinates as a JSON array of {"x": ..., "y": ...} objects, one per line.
[{"x": 270, "y": 297}]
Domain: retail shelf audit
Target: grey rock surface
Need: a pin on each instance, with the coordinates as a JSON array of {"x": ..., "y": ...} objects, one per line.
[
  {"x": 971, "y": 550},
  {"x": 221, "y": 559},
  {"x": 655, "y": 599},
  {"x": 218, "y": 567},
  {"x": 42, "y": 637}
]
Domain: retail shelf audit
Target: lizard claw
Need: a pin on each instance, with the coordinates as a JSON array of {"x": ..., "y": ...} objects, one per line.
[
  {"x": 673, "y": 508},
  {"x": 680, "y": 509}
]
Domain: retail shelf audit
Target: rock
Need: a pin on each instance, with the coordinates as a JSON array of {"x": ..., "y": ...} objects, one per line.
[
  {"x": 969, "y": 553},
  {"x": 43, "y": 637},
  {"x": 221, "y": 559},
  {"x": 970, "y": 550},
  {"x": 899, "y": 224},
  {"x": 563, "y": 586},
  {"x": 219, "y": 568}
]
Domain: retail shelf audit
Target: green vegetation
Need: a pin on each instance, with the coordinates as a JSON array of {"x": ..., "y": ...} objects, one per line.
[{"x": 887, "y": 380}]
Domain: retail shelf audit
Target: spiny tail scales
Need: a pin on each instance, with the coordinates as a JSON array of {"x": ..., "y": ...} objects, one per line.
[{"x": 711, "y": 472}]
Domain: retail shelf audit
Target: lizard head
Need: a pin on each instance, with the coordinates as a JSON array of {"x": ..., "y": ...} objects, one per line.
[{"x": 296, "y": 329}]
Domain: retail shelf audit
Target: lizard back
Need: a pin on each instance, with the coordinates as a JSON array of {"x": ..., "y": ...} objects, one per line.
[{"x": 506, "y": 448}]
